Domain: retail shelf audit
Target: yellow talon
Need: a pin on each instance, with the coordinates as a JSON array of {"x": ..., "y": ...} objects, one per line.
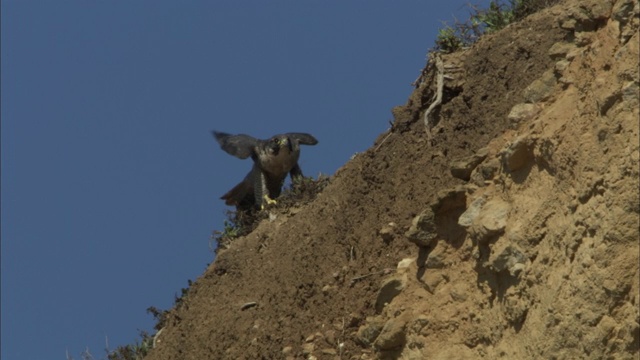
[{"x": 269, "y": 200}]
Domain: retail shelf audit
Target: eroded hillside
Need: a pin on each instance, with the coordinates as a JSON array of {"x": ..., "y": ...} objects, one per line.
[{"x": 509, "y": 230}]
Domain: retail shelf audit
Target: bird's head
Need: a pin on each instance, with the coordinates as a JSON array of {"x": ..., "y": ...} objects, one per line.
[{"x": 279, "y": 142}]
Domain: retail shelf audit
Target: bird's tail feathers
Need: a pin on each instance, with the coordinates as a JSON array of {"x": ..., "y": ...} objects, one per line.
[{"x": 239, "y": 195}]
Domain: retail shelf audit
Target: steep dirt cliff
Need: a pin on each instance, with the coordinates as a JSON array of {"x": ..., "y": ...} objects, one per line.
[{"x": 509, "y": 230}]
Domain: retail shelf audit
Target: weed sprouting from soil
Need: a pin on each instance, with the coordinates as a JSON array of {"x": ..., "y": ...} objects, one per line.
[
  {"x": 452, "y": 38},
  {"x": 135, "y": 351}
]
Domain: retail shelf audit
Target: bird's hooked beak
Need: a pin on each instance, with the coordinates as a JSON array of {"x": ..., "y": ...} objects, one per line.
[{"x": 285, "y": 142}]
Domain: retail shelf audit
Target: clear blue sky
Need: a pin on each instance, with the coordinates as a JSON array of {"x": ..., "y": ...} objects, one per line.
[{"x": 110, "y": 176}]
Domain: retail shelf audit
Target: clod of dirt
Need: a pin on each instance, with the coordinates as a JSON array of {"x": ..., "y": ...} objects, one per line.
[
  {"x": 369, "y": 332},
  {"x": 423, "y": 229},
  {"x": 387, "y": 233},
  {"x": 507, "y": 257},
  {"x": 518, "y": 154},
  {"x": 390, "y": 289},
  {"x": 462, "y": 169},
  {"x": 540, "y": 89},
  {"x": 491, "y": 220},
  {"x": 392, "y": 335}
]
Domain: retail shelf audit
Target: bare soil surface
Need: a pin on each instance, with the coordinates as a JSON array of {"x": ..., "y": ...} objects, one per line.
[{"x": 529, "y": 252}]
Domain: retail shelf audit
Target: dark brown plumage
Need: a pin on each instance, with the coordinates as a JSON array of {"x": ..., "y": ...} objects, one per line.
[{"x": 273, "y": 159}]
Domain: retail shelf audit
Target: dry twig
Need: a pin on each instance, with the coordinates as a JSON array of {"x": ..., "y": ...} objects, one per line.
[
  {"x": 382, "y": 142},
  {"x": 155, "y": 338},
  {"x": 358, "y": 278}
]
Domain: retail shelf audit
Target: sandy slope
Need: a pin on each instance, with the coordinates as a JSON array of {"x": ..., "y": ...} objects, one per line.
[{"x": 529, "y": 252}]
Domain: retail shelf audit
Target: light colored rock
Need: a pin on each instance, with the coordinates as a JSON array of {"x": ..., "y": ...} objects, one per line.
[
  {"x": 574, "y": 54},
  {"x": 459, "y": 292},
  {"x": 520, "y": 113},
  {"x": 540, "y": 89},
  {"x": 287, "y": 350},
  {"x": 307, "y": 348},
  {"x": 561, "y": 66},
  {"x": 607, "y": 324},
  {"x": 560, "y": 50},
  {"x": 329, "y": 351},
  {"x": 405, "y": 263},
  {"x": 468, "y": 217},
  {"x": 568, "y": 24},
  {"x": 491, "y": 221},
  {"x": 584, "y": 38},
  {"x": 599, "y": 10},
  {"x": 494, "y": 215}
]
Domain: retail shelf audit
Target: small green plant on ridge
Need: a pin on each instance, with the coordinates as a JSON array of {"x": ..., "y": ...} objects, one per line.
[
  {"x": 135, "y": 351},
  {"x": 485, "y": 21}
]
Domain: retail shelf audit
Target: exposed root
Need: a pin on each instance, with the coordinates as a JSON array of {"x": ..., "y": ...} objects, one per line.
[{"x": 428, "y": 123}]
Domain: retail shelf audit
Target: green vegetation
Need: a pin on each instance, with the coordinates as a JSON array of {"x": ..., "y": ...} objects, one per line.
[
  {"x": 485, "y": 21},
  {"x": 451, "y": 39},
  {"x": 237, "y": 223},
  {"x": 135, "y": 351},
  {"x": 139, "y": 349},
  {"x": 303, "y": 191}
]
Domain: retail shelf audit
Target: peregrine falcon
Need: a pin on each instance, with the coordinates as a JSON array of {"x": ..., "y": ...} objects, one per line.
[{"x": 272, "y": 159}]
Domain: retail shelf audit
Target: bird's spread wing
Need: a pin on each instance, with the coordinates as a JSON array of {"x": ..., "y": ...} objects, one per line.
[
  {"x": 241, "y": 146},
  {"x": 303, "y": 138}
]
